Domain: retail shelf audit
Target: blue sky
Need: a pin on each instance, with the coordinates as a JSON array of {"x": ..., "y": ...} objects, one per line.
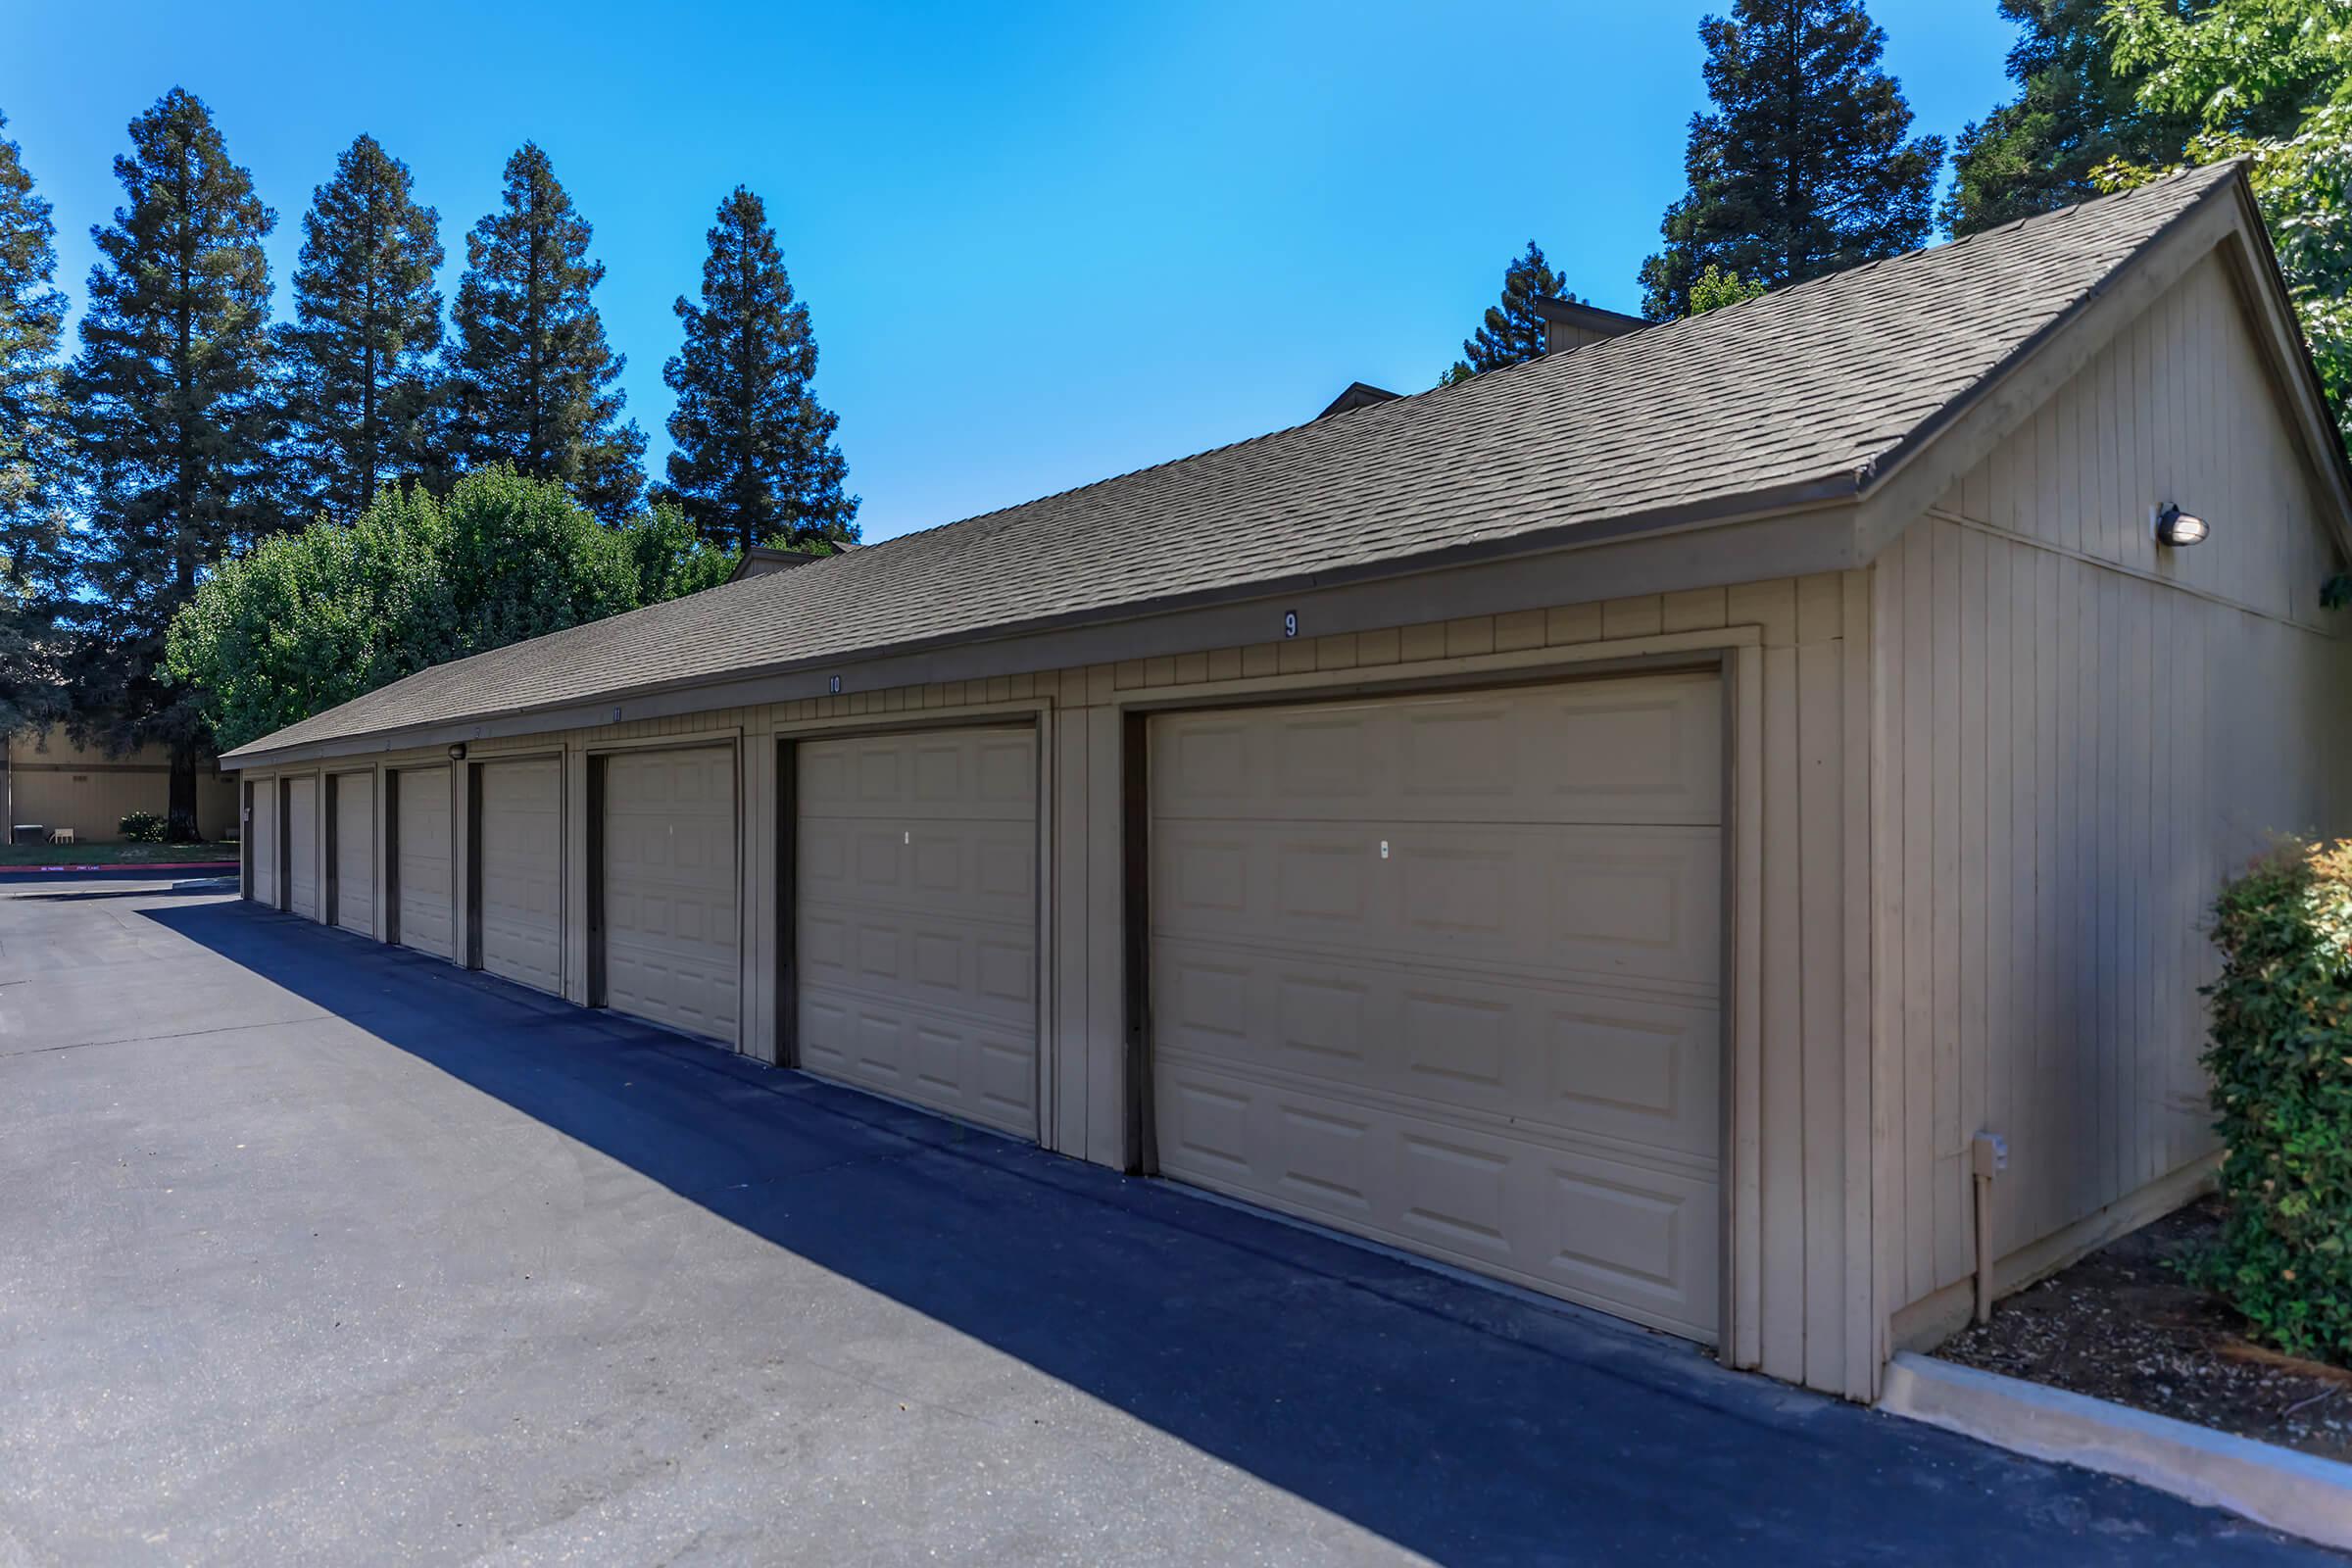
[{"x": 1042, "y": 244}]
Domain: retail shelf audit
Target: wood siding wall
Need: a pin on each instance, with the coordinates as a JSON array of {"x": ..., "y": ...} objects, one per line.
[
  {"x": 1795, "y": 654},
  {"x": 2076, "y": 735}
]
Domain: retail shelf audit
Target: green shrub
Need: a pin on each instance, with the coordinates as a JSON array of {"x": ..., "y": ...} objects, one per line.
[
  {"x": 2281, "y": 1057},
  {"x": 143, "y": 827}
]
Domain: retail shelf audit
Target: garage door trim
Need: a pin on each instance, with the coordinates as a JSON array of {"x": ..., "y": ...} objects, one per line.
[
  {"x": 598, "y": 756},
  {"x": 1735, "y": 667},
  {"x": 1033, "y": 715}
]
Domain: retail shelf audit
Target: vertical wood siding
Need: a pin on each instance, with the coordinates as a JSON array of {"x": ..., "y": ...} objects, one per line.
[{"x": 2076, "y": 735}]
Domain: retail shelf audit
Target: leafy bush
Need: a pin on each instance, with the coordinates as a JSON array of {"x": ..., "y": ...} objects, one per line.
[
  {"x": 309, "y": 619},
  {"x": 143, "y": 827},
  {"x": 2281, "y": 1057}
]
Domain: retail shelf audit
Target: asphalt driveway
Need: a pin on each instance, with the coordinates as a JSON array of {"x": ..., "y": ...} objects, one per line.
[{"x": 315, "y": 1250}]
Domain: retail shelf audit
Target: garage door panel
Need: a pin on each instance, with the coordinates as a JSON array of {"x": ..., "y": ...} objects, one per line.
[
  {"x": 426, "y": 919},
  {"x": 355, "y": 852},
  {"x": 1639, "y": 1069},
  {"x": 978, "y": 1068},
  {"x": 521, "y": 847},
  {"x": 916, "y": 923},
  {"x": 1445, "y": 971},
  {"x": 1634, "y": 1238},
  {"x": 1637, "y": 903},
  {"x": 263, "y": 832},
  {"x": 673, "y": 926},
  {"x": 980, "y": 871},
  {"x": 961, "y": 776},
  {"x": 302, "y": 847},
  {"x": 1651, "y": 751},
  {"x": 989, "y": 973}
]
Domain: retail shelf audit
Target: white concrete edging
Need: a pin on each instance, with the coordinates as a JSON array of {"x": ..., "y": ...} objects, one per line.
[{"x": 2283, "y": 1487}]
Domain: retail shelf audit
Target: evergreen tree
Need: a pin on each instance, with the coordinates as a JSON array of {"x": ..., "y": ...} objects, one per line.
[
  {"x": 172, "y": 412},
  {"x": 367, "y": 321},
  {"x": 533, "y": 376},
  {"x": 2074, "y": 111},
  {"x": 1511, "y": 331},
  {"x": 31, "y": 449},
  {"x": 1805, "y": 165},
  {"x": 754, "y": 461}
]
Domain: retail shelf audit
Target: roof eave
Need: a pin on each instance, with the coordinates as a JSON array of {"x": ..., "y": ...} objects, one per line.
[{"x": 1803, "y": 495}]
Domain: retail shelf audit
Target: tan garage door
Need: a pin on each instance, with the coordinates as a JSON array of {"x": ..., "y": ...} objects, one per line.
[
  {"x": 302, "y": 847},
  {"x": 355, "y": 852},
  {"x": 917, "y": 918},
  {"x": 674, "y": 950},
  {"x": 422, "y": 877},
  {"x": 1443, "y": 970},
  {"x": 521, "y": 841},
  {"x": 261, "y": 833}
]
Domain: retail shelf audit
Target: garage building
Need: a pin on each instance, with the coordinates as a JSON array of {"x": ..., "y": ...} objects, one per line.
[{"x": 1623, "y": 825}]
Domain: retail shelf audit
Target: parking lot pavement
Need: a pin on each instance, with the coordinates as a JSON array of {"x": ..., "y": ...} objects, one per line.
[{"x": 319, "y": 1250}]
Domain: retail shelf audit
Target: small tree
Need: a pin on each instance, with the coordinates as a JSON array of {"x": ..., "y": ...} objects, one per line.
[
  {"x": 1715, "y": 288},
  {"x": 1511, "y": 331}
]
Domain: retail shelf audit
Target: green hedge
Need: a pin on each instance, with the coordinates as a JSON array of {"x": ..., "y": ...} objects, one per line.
[{"x": 2280, "y": 1057}]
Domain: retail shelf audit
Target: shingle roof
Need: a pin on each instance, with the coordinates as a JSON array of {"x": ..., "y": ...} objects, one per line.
[{"x": 1805, "y": 386}]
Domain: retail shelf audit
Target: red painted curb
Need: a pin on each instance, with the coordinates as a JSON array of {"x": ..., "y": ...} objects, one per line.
[{"x": 135, "y": 865}]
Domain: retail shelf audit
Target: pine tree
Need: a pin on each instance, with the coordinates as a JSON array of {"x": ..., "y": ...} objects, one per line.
[
  {"x": 754, "y": 461},
  {"x": 366, "y": 322},
  {"x": 172, "y": 412},
  {"x": 1511, "y": 331},
  {"x": 31, "y": 449},
  {"x": 533, "y": 376},
  {"x": 2074, "y": 111},
  {"x": 1805, "y": 165}
]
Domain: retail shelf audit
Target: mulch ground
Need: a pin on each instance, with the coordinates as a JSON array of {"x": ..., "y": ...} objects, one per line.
[{"x": 2123, "y": 1325}]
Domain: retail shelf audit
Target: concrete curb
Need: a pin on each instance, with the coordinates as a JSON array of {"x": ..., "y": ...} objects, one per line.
[{"x": 2286, "y": 1490}]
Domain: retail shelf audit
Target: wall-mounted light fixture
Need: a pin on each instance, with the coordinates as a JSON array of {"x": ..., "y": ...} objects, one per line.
[
  {"x": 2177, "y": 529},
  {"x": 456, "y": 752}
]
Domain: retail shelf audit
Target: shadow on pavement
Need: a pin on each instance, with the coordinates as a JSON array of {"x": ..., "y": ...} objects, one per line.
[{"x": 1458, "y": 1422}]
